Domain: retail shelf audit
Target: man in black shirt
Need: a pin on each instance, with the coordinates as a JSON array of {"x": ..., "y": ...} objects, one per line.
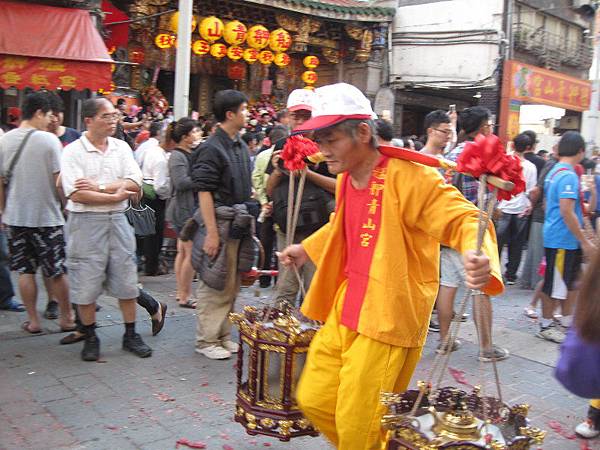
[
  {"x": 221, "y": 170},
  {"x": 317, "y": 199},
  {"x": 530, "y": 155}
]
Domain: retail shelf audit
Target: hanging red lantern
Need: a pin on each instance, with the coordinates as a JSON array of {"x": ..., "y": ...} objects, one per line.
[
  {"x": 236, "y": 70},
  {"x": 265, "y": 57}
]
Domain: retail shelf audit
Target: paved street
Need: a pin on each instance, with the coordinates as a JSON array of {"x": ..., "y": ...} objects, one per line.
[{"x": 50, "y": 399}]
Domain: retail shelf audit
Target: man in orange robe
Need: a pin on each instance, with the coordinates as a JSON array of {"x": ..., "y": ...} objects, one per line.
[{"x": 377, "y": 270}]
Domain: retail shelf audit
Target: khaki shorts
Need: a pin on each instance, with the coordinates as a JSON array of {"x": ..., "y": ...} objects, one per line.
[
  {"x": 100, "y": 256},
  {"x": 452, "y": 270}
]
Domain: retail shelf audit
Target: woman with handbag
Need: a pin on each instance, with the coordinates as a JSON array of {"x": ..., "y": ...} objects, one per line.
[
  {"x": 186, "y": 134},
  {"x": 578, "y": 368}
]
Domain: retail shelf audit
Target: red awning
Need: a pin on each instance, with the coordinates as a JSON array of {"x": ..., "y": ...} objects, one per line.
[{"x": 50, "y": 47}]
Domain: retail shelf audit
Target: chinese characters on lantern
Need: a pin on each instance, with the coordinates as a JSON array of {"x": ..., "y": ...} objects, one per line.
[{"x": 234, "y": 33}]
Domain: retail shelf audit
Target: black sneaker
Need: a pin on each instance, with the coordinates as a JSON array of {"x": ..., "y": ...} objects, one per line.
[
  {"x": 434, "y": 326},
  {"x": 135, "y": 345},
  {"x": 91, "y": 349},
  {"x": 510, "y": 280},
  {"x": 51, "y": 312}
]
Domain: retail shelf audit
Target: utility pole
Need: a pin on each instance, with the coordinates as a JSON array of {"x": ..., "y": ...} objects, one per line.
[{"x": 182, "y": 60}]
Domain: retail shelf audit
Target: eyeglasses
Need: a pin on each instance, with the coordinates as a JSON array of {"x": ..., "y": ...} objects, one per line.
[
  {"x": 446, "y": 132},
  {"x": 109, "y": 117}
]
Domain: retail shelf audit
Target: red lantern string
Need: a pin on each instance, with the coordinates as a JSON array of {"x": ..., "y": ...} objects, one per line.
[
  {"x": 297, "y": 148},
  {"x": 486, "y": 155}
]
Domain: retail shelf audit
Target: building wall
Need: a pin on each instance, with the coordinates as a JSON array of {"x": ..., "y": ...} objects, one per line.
[{"x": 438, "y": 41}]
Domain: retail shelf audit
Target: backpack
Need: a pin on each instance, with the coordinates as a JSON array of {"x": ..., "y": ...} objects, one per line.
[{"x": 314, "y": 208}]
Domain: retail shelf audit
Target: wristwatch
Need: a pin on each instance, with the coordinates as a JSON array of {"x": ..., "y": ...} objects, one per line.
[{"x": 102, "y": 188}]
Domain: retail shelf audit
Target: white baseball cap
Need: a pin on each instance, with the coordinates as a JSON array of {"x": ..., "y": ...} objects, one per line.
[
  {"x": 300, "y": 99},
  {"x": 335, "y": 103}
]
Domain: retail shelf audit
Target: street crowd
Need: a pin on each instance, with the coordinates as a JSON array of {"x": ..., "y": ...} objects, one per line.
[{"x": 70, "y": 201}]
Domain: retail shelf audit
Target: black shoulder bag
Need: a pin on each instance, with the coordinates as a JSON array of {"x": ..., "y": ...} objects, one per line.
[{"x": 13, "y": 162}]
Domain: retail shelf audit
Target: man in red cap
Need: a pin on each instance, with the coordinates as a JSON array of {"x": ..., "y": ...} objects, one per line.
[{"x": 377, "y": 270}]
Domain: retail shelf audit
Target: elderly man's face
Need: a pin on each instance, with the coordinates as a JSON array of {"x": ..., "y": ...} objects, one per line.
[{"x": 341, "y": 149}]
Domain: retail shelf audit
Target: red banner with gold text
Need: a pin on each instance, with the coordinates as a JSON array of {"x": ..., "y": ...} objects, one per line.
[{"x": 44, "y": 73}]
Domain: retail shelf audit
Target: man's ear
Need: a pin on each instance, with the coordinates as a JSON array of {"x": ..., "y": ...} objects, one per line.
[{"x": 364, "y": 133}]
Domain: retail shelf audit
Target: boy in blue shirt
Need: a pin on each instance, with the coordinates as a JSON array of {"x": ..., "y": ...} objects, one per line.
[{"x": 564, "y": 240}]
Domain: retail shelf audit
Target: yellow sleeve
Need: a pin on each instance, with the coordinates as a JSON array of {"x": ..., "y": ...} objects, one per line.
[{"x": 446, "y": 215}]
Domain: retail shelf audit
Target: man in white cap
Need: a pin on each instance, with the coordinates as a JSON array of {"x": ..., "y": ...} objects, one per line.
[
  {"x": 377, "y": 270},
  {"x": 317, "y": 199}
]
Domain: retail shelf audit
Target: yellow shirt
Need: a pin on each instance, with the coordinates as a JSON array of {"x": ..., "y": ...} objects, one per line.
[{"x": 419, "y": 212}]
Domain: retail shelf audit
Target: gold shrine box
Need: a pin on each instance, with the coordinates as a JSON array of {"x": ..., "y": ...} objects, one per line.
[{"x": 273, "y": 347}]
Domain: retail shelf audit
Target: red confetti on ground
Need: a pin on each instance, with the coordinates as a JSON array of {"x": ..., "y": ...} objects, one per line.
[
  {"x": 204, "y": 384},
  {"x": 583, "y": 445},
  {"x": 459, "y": 376},
  {"x": 227, "y": 447},
  {"x": 164, "y": 397},
  {"x": 190, "y": 444},
  {"x": 558, "y": 429},
  {"x": 266, "y": 444}
]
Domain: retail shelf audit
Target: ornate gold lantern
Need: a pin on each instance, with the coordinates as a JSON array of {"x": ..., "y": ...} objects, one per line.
[
  {"x": 273, "y": 346},
  {"x": 454, "y": 419}
]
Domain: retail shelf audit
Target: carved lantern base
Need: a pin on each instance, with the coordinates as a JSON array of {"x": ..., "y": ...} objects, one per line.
[
  {"x": 456, "y": 420},
  {"x": 273, "y": 346}
]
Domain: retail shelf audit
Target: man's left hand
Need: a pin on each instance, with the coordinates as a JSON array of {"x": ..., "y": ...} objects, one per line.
[{"x": 477, "y": 270}]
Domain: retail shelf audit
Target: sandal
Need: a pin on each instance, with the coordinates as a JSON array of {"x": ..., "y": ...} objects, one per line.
[
  {"x": 157, "y": 325},
  {"x": 191, "y": 304},
  {"x": 72, "y": 338},
  {"x": 25, "y": 327}
]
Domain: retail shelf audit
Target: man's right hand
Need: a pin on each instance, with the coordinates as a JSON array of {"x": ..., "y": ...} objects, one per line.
[
  {"x": 589, "y": 250},
  {"x": 293, "y": 255},
  {"x": 211, "y": 244}
]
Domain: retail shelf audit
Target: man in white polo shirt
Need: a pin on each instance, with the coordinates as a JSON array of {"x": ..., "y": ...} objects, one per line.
[{"x": 98, "y": 175}]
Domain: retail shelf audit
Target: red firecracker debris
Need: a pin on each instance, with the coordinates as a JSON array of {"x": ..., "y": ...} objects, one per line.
[
  {"x": 190, "y": 444},
  {"x": 559, "y": 429},
  {"x": 459, "y": 376}
]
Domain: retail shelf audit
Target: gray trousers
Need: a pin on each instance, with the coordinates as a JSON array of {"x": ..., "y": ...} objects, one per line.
[
  {"x": 535, "y": 253},
  {"x": 213, "y": 307},
  {"x": 287, "y": 283}
]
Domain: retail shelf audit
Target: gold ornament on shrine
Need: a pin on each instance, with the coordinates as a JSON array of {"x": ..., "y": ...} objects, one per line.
[
  {"x": 310, "y": 77},
  {"x": 258, "y": 37},
  {"x": 174, "y": 22},
  {"x": 211, "y": 29},
  {"x": 282, "y": 59},
  {"x": 218, "y": 50},
  {"x": 311, "y": 62},
  {"x": 235, "y": 52},
  {"x": 273, "y": 347},
  {"x": 250, "y": 55},
  {"x": 235, "y": 32},
  {"x": 266, "y": 57},
  {"x": 280, "y": 40}
]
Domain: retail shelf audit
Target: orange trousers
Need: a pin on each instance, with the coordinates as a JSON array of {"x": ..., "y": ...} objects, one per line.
[{"x": 344, "y": 374}]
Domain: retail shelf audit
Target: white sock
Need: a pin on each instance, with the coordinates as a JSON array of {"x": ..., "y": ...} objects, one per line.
[
  {"x": 566, "y": 321},
  {"x": 545, "y": 323}
]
